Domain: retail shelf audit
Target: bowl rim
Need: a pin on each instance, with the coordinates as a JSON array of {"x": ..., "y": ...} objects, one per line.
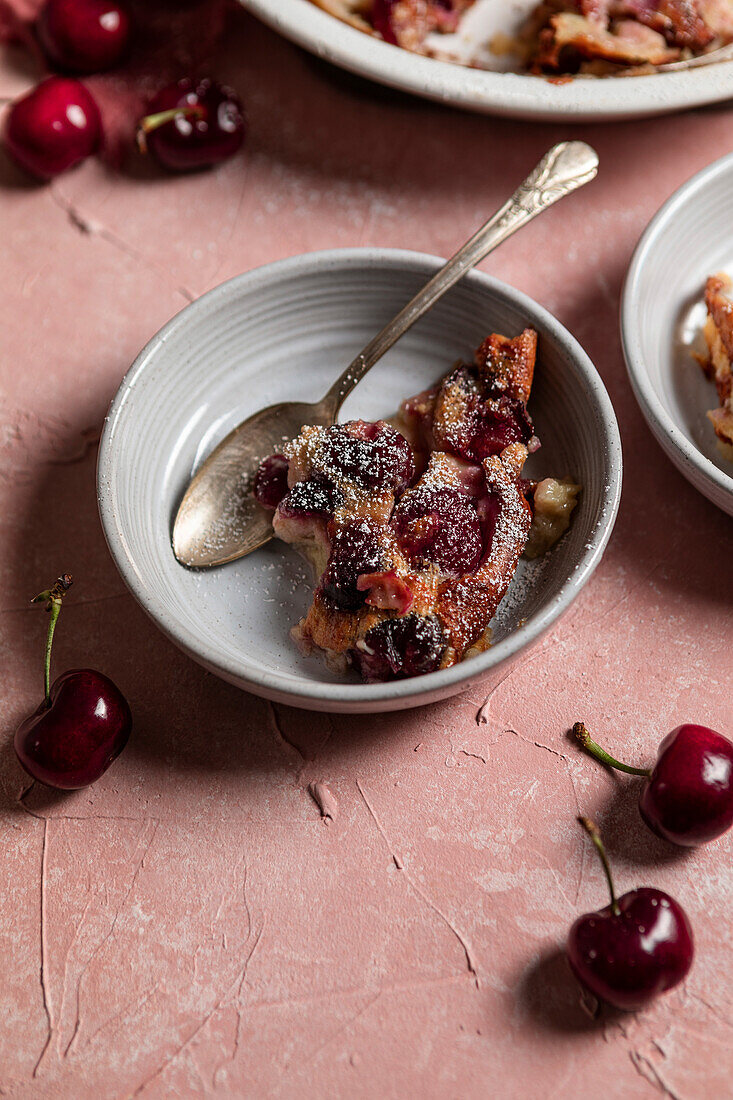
[
  {"x": 670, "y": 436},
  {"x": 322, "y": 694},
  {"x": 509, "y": 94}
]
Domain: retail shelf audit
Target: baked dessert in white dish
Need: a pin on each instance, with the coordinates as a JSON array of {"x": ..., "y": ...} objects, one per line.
[
  {"x": 415, "y": 527},
  {"x": 560, "y": 37}
]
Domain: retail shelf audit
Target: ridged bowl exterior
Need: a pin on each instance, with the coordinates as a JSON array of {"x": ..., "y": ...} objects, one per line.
[
  {"x": 284, "y": 331},
  {"x": 662, "y": 315}
]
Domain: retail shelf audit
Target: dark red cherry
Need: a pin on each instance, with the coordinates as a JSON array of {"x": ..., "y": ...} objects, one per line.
[
  {"x": 53, "y": 127},
  {"x": 315, "y": 498},
  {"x": 397, "y": 648},
  {"x": 81, "y": 726},
  {"x": 374, "y": 455},
  {"x": 192, "y": 124},
  {"x": 84, "y": 36},
  {"x": 635, "y": 948},
  {"x": 499, "y": 423},
  {"x": 382, "y": 20},
  {"x": 688, "y": 794},
  {"x": 355, "y": 551},
  {"x": 271, "y": 481},
  {"x": 72, "y": 740},
  {"x": 441, "y": 527}
]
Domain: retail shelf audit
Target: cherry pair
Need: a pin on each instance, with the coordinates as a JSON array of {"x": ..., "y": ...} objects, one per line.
[
  {"x": 641, "y": 944},
  {"x": 189, "y": 124}
]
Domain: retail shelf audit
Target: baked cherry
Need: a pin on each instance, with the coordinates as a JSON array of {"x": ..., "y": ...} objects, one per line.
[
  {"x": 374, "y": 455},
  {"x": 192, "y": 124},
  {"x": 53, "y": 127},
  {"x": 355, "y": 551},
  {"x": 81, "y": 726},
  {"x": 316, "y": 498},
  {"x": 271, "y": 481},
  {"x": 688, "y": 794},
  {"x": 635, "y": 948},
  {"x": 440, "y": 526},
  {"x": 84, "y": 36},
  {"x": 382, "y": 20},
  {"x": 397, "y": 648}
]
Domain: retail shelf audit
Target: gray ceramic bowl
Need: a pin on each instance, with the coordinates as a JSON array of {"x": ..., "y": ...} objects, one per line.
[
  {"x": 662, "y": 315},
  {"x": 285, "y": 331}
]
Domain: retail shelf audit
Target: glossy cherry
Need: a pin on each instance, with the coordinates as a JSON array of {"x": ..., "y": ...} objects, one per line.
[
  {"x": 53, "y": 127},
  {"x": 81, "y": 726},
  {"x": 688, "y": 794},
  {"x": 635, "y": 948},
  {"x": 84, "y": 36},
  {"x": 271, "y": 481},
  {"x": 192, "y": 124}
]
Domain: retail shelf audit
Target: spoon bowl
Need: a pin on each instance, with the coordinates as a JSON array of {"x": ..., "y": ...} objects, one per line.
[{"x": 219, "y": 518}]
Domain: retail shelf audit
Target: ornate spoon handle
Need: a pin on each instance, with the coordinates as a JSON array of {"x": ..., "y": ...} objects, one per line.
[{"x": 564, "y": 169}]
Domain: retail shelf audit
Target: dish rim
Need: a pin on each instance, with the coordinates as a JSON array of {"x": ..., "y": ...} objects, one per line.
[
  {"x": 515, "y": 95},
  {"x": 667, "y": 432},
  {"x": 323, "y": 694}
]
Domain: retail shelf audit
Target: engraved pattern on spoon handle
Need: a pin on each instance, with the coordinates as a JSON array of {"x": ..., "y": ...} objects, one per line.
[{"x": 564, "y": 169}]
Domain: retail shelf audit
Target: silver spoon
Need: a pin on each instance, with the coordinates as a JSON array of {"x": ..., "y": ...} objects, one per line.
[{"x": 218, "y": 519}]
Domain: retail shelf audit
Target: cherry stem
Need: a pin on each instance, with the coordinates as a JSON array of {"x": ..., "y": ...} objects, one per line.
[
  {"x": 149, "y": 123},
  {"x": 584, "y": 739},
  {"x": 592, "y": 831},
  {"x": 52, "y": 597}
]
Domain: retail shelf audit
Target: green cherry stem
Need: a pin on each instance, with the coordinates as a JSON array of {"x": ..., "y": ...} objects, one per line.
[
  {"x": 52, "y": 597},
  {"x": 584, "y": 739},
  {"x": 592, "y": 831},
  {"x": 149, "y": 123}
]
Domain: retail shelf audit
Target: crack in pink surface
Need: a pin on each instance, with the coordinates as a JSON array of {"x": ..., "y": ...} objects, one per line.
[
  {"x": 290, "y": 746},
  {"x": 711, "y": 1008},
  {"x": 237, "y": 985},
  {"x": 93, "y": 228},
  {"x": 474, "y": 755},
  {"x": 47, "y": 1007},
  {"x": 342, "y": 1029},
  {"x": 362, "y": 991},
  {"x": 74, "y": 941},
  {"x": 418, "y": 890},
  {"x": 646, "y": 1069},
  {"x": 95, "y": 953}
]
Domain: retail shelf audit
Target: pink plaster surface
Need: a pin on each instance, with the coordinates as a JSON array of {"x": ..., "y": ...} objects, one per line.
[{"x": 191, "y": 925}]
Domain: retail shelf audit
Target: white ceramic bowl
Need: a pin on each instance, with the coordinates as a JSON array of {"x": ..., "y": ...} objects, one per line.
[
  {"x": 662, "y": 314},
  {"x": 513, "y": 94},
  {"x": 285, "y": 331}
]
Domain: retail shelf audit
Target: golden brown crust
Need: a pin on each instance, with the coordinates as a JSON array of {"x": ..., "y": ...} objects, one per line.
[
  {"x": 509, "y": 363},
  {"x": 718, "y": 334},
  {"x": 348, "y": 11}
]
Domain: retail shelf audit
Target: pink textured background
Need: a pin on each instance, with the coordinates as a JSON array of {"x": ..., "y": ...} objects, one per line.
[{"x": 190, "y": 925}]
